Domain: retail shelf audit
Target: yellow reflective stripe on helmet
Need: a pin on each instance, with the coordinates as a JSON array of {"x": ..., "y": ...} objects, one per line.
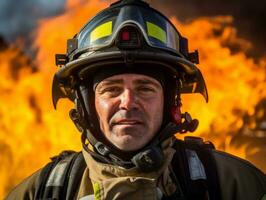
[
  {"x": 101, "y": 31},
  {"x": 156, "y": 32}
]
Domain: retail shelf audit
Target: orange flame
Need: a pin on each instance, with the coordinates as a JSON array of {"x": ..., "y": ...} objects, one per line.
[
  {"x": 31, "y": 131},
  {"x": 235, "y": 82}
]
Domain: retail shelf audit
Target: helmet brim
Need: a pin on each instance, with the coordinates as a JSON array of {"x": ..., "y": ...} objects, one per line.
[{"x": 189, "y": 74}]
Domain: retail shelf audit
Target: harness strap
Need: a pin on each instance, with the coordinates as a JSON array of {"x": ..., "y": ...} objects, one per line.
[
  {"x": 192, "y": 189},
  {"x": 209, "y": 163},
  {"x": 201, "y": 180},
  {"x": 75, "y": 175},
  {"x": 59, "y": 179},
  {"x": 44, "y": 175}
]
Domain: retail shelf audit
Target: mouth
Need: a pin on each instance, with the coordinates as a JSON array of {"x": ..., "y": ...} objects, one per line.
[{"x": 128, "y": 122}]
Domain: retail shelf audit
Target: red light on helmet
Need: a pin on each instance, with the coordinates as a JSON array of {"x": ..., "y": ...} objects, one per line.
[
  {"x": 125, "y": 35},
  {"x": 129, "y": 37}
]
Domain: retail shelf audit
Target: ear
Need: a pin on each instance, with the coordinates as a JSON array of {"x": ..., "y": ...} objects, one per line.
[{"x": 176, "y": 114}]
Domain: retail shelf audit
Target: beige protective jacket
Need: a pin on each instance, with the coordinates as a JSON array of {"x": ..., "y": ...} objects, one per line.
[{"x": 239, "y": 180}]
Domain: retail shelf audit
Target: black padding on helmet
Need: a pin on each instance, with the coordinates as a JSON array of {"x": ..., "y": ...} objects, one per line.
[{"x": 156, "y": 73}]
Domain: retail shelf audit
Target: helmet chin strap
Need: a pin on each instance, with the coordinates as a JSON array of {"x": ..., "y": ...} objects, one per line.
[{"x": 147, "y": 159}]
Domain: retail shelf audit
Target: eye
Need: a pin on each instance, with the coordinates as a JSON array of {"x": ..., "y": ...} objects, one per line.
[
  {"x": 111, "y": 91},
  {"x": 146, "y": 89}
]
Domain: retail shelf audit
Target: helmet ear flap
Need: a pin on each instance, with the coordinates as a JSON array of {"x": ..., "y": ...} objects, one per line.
[
  {"x": 83, "y": 114},
  {"x": 79, "y": 109},
  {"x": 77, "y": 115}
]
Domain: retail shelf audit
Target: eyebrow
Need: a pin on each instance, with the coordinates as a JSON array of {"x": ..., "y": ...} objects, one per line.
[
  {"x": 146, "y": 81},
  {"x": 138, "y": 82},
  {"x": 109, "y": 82},
  {"x": 112, "y": 81}
]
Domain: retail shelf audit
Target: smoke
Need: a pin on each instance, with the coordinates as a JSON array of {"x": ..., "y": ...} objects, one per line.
[
  {"x": 19, "y": 18},
  {"x": 249, "y": 16}
]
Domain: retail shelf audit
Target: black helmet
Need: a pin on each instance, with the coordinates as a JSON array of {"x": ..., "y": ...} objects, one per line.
[
  {"x": 128, "y": 31},
  {"x": 128, "y": 35}
]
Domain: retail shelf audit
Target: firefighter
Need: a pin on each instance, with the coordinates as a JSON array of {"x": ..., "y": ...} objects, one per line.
[{"x": 125, "y": 71}]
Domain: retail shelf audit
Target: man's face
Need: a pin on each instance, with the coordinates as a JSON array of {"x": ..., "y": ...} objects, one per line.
[{"x": 130, "y": 109}]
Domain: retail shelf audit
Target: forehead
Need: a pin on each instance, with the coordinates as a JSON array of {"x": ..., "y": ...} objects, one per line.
[{"x": 131, "y": 79}]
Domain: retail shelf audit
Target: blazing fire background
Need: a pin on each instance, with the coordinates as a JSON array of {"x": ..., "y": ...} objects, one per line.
[{"x": 230, "y": 36}]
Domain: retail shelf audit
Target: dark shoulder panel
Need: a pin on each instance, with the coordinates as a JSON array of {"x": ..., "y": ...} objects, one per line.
[
  {"x": 239, "y": 179},
  {"x": 26, "y": 189}
]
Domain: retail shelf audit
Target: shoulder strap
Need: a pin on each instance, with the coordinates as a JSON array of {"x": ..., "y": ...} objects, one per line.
[
  {"x": 59, "y": 178},
  {"x": 75, "y": 176},
  {"x": 195, "y": 169},
  {"x": 204, "y": 151}
]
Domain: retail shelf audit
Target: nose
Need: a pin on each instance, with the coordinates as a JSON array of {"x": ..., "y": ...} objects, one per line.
[{"x": 128, "y": 100}]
